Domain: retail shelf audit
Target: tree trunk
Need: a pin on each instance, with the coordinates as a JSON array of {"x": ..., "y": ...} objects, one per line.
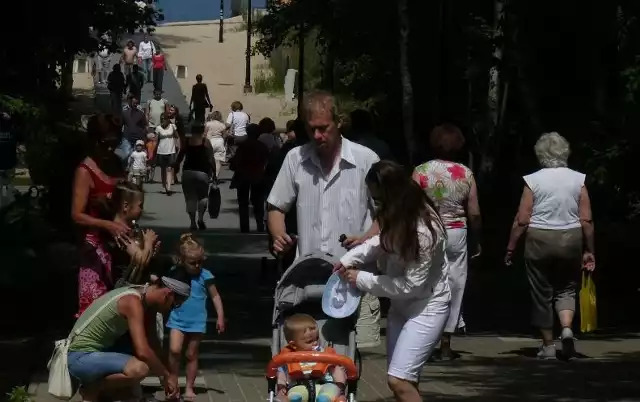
[
  {"x": 66, "y": 77},
  {"x": 405, "y": 78},
  {"x": 493, "y": 95}
]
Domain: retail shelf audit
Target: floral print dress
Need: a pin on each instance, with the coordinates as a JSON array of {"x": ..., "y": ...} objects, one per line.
[{"x": 448, "y": 184}]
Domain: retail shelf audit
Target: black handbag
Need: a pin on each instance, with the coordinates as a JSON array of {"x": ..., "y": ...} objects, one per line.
[{"x": 215, "y": 200}]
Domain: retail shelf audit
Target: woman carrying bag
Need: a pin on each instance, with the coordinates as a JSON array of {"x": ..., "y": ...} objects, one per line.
[{"x": 198, "y": 171}]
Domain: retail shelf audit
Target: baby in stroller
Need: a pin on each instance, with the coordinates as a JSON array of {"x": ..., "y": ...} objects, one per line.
[
  {"x": 313, "y": 353},
  {"x": 327, "y": 382}
]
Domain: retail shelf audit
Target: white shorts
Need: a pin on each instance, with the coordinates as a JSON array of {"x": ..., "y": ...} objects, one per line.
[{"x": 410, "y": 340}]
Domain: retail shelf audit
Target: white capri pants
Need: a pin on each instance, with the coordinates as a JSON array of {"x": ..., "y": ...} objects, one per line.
[
  {"x": 458, "y": 258},
  {"x": 412, "y": 337}
]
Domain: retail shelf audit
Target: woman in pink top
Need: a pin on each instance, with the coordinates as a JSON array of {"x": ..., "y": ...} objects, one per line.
[{"x": 452, "y": 188}]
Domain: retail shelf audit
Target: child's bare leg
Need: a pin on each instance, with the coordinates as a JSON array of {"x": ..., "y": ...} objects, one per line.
[
  {"x": 193, "y": 345},
  {"x": 299, "y": 393},
  {"x": 328, "y": 393},
  {"x": 176, "y": 339}
]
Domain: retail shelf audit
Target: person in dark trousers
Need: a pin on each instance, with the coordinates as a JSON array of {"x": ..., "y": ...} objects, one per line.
[
  {"x": 117, "y": 86},
  {"x": 295, "y": 136},
  {"x": 362, "y": 130},
  {"x": 159, "y": 67},
  {"x": 200, "y": 100},
  {"x": 248, "y": 165},
  {"x": 134, "y": 121},
  {"x": 135, "y": 82}
]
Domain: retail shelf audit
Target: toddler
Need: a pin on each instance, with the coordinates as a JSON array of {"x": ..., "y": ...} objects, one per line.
[
  {"x": 138, "y": 163},
  {"x": 188, "y": 322},
  {"x": 152, "y": 145},
  {"x": 301, "y": 331}
]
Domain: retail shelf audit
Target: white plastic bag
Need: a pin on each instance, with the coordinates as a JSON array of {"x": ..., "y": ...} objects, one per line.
[{"x": 59, "y": 379}]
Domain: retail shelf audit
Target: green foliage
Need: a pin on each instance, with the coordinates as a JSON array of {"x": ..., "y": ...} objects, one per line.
[
  {"x": 631, "y": 77},
  {"x": 19, "y": 394},
  {"x": 267, "y": 82}
]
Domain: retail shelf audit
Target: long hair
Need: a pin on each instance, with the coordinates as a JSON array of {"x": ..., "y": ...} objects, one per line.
[
  {"x": 104, "y": 133},
  {"x": 124, "y": 192},
  {"x": 401, "y": 205}
]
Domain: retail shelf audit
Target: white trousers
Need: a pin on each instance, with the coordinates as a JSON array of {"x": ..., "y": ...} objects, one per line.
[
  {"x": 457, "y": 255},
  {"x": 412, "y": 335}
]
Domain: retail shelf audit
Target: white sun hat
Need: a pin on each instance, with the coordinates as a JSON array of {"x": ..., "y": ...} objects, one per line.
[{"x": 340, "y": 299}]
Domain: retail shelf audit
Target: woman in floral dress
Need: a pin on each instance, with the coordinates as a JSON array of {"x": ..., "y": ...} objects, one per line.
[{"x": 452, "y": 188}]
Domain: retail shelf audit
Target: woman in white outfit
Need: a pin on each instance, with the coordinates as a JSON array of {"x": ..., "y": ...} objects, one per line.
[
  {"x": 453, "y": 189},
  {"x": 214, "y": 130},
  {"x": 411, "y": 247}
]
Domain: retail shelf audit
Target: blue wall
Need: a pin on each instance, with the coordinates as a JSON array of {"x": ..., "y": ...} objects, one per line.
[{"x": 198, "y": 10}]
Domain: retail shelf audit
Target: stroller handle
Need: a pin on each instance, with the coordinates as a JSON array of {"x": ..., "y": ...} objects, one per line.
[{"x": 307, "y": 356}]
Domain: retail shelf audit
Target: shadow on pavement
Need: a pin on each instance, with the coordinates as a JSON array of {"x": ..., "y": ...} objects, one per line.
[{"x": 511, "y": 379}]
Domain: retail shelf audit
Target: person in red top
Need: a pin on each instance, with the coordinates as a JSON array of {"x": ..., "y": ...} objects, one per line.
[
  {"x": 94, "y": 182},
  {"x": 249, "y": 165},
  {"x": 159, "y": 67}
]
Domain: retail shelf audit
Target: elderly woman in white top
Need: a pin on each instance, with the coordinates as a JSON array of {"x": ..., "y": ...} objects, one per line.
[
  {"x": 555, "y": 213},
  {"x": 412, "y": 249},
  {"x": 214, "y": 130}
]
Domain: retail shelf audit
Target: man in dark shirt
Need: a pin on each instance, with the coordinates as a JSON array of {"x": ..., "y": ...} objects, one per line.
[
  {"x": 362, "y": 131},
  {"x": 135, "y": 82},
  {"x": 135, "y": 121},
  {"x": 117, "y": 87},
  {"x": 199, "y": 100}
]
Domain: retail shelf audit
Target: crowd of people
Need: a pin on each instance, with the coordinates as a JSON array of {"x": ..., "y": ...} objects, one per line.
[{"x": 407, "y": 233}]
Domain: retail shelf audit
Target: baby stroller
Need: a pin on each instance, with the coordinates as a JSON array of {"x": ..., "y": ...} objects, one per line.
[{"x": 300, "y": 291}]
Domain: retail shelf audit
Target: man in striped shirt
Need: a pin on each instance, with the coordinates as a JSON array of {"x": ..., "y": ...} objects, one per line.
[{"x": 325, "y": 180}]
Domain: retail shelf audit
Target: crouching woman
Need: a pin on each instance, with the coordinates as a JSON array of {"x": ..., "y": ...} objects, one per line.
[{"x": 95, "y": 361}]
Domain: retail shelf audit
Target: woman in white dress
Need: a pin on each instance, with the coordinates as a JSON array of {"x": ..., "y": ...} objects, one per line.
[
  {"x": 214, "y": 130},
  {"x": 412, "y": 249}
]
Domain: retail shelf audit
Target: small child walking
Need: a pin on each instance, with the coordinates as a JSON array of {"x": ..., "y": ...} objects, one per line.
[
  {"x": 188, "y": 323},
  {"x": 138, "y": 163}
]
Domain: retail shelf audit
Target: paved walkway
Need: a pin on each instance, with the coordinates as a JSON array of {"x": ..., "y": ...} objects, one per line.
[{"x": 492, "y": 368}]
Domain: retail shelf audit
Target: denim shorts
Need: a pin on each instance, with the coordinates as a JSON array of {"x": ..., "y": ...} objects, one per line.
[{"x": 88, "y": 367}]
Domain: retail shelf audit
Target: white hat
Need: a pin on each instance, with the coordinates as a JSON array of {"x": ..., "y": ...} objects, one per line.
[
  {"x": 139, "y": 142},
  {"x": 340, "y": 299}
]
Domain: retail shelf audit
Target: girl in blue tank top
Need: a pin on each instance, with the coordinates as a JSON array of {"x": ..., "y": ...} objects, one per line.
[{"x": 188, "y": 323}]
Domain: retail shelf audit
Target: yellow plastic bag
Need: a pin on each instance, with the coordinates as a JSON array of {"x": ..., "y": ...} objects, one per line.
[{"x": 588, "y": 308}]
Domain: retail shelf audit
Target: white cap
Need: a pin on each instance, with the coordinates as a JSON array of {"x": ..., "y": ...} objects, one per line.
[{"x": 139, "y": 142}]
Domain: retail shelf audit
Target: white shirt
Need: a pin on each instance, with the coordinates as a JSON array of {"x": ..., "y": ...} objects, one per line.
[
  {"x": 326, "y": 206},
  {"x": 214, "y": 129},
  {"x": 156, "y": 108},
  {"x": 412, "y": 283},
  {"x": 556, "y": 198},
  {"x": 166, "y": 140},
  {"x": 146, "y": 50},
  {"x": 138, "y": 160},
  {"x": 238, "y": 122}
]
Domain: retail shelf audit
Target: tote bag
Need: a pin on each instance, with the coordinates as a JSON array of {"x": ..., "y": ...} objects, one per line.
[
  {"x": 60, "y": 384},
  {"x": 588, "y": 306},
  {"x": 215, "y": 199}
]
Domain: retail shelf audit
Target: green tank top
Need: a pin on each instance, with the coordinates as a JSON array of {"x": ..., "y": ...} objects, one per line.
[{"x": 103, "y": 331}]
